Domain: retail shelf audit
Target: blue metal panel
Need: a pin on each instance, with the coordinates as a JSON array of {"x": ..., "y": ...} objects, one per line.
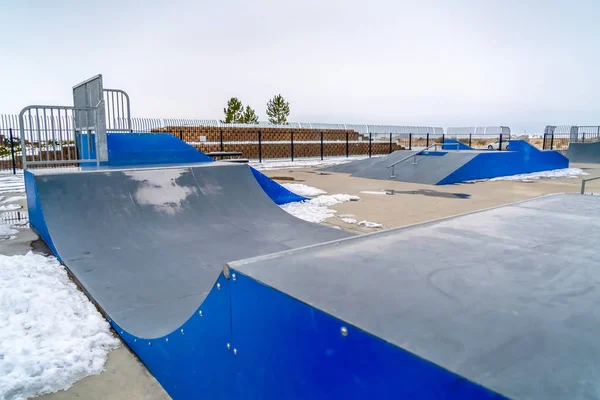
[
  {"x": 131, "y": 149},
  {"x": 521, "y": 159},
  {"x": 287, "y": 349},
  {"x": 276, "y": 192},
  {"x": 36, "y": 214},
  {"x": 193, "y": 361},
  {"x": 85, "y": 153}
]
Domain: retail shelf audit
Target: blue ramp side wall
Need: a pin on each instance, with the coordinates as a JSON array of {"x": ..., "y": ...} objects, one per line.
[
  {"x": 193, "y": 362},
  {"x": 127, "y": 149},
  {"x": 454, "y": 144},
  {"x": 274, "y": 190},
  {"x": 36, "y": 214},
  {"x": 522, "y": 158},
  {"x": 287, "y": 349}
]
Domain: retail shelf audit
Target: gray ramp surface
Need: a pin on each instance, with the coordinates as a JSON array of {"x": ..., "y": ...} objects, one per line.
[
  {"x": 584, "y": 152},
  {"x": 429, "y": 169},
  {"x": 506, "y": 297},
  {"x": 149, "y": 244}
]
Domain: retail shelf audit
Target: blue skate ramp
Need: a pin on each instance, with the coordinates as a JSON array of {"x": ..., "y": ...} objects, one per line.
[
  {"x": 505, "y": 298},
  {"x": 454, "y": 166},
  {"x": 148, "y": 246},
  {"x": 584, "y": 152}
]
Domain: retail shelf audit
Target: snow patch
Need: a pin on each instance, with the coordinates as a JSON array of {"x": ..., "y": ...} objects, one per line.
[
  {"x": 303, "y": 190},
  {"x": 369, "y": 224},
  {"x": 153, "y": 189},
  {"x": 552, "y": 174},
  {"x": 51, "y": 334},
  {"x": 12, "y": 199},
  {"x": 10, "y": 207},
  {"x": 303, "y": 163},
  {"x": 6, "y": 232},
  {"x": 348, "y": 220},
  {"x": 373, "y": 192},
  {"x": 12, "y": 184},
  {"x": 317, "y": 210}
]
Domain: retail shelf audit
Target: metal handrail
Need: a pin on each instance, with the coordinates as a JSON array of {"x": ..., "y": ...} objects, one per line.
[
  {"x": 393, "y": 166},
  {"x": 583, "y": 181}
]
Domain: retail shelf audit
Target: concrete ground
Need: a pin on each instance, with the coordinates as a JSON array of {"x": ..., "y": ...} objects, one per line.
[{"x": 126, "y": 378}]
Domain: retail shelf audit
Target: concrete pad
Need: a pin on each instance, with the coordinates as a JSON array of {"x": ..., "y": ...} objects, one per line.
[{"x": 125, "y": 377}]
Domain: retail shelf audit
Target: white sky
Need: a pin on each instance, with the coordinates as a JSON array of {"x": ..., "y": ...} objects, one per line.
[{"x": 524, "y": 64}]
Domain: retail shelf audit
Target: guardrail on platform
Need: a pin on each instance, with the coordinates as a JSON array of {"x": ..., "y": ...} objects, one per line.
[{"x": 584, "y": 181}]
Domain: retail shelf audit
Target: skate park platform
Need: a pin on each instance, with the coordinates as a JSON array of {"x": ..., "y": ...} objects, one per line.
[
  {"x": 588, "y": 153},
  {"x": 446, "y": 166},
  {"x": 503, "y": 297}
]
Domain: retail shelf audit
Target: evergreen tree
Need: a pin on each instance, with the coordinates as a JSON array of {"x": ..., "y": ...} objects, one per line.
[
  {"x": 234, "y": 111},
  {"x": 249, "y": 116},
  {"x": 278, "y": 110}
]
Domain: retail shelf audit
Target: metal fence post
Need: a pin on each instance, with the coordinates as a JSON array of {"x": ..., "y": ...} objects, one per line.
[
  {"x": 390, "y": 143},
  {"x": 259, "y": 146},
  {"x": 410, "y": 141},
  {"x": 12, "y": 151},
  {"x": 427, "y": 142},
  {"x": 292, "y": 144},
  {"x": 370, "y": 141},
  {"x": 180, "y": 134},
  {"x": 443, "y": 140},
  {"x": 544, "y": 142},
  {"x": 500, "y": 143},
  {"x": 321, "y": 145},
  {"x": 470, "y": 136},
  {"x": 221, "y": 138},
  {"x": 347, "y": 150},
  {"x": 552, "y": 141},
  {"x": 583, "y": 137}
]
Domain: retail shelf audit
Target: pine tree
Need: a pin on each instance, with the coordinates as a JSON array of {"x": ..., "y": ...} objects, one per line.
[
  {"x": 234, "y": 111},
  {"x": 278, "y": 110},
  {"x": 249, "y": 116}
]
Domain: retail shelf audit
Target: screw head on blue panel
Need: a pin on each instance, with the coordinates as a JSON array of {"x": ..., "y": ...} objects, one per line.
[
  {"x": 219, "y": 286},
  {"x": 344, "y": 331},
  {"x": 233, "y": 276}
]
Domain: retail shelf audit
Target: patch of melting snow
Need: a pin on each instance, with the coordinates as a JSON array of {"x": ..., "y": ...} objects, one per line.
[
  {"x": 552, "y": 174},
  {"x": 152, "y": 189},
  {"x": 10, "y": 207},
  {"x": 373, "y": 192},
  {"x": 303, "y": 163},
  {"x": 7, "y": 232},
  {"x": 303, "y": 190},
  {"x": 348, "y": 220},
  {"x": 52, "y": 335},
  {"x": 12, "y": 199},
  {"x": 12, "y": 184},
  {"x": 369, "y": 224},
  {"x": 317, "y": 210}
]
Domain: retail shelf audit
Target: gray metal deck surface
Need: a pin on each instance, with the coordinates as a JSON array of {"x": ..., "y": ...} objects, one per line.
[
  {"x": 428, "y": 170},
  {"x": 148, "y": 244},
  {"x": 506, "y": 297},
  {"x": 584, "y": 152}
]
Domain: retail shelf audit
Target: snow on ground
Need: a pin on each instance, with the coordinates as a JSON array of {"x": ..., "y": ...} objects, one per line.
[
  {"x": 10, "y": 207},
  {"x": 51, "y": 335},
  {"x": 6, "y": 231},
  {"x": 348, "y": 220},
  {"x": 12, "y": 184},
  {"x": 303, "y": 190},
  {"x": 552, "y": 174},
  {"x": 12, "y": 199},
  {"x": 303, "y": 162},
  {"x": 369, "y": 224},
  {"x": 317, "y": 209},
  {"x": 373, "y": 192}
]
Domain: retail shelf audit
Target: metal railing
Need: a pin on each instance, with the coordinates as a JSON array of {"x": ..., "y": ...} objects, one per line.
[
  {"x": 414, "y": 156},
  {"x": 49, "y": 136},
  {"x": 584, "y": 181}
]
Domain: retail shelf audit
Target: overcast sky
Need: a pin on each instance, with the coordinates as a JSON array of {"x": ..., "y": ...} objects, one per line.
[{"x": 522, "y": 63}]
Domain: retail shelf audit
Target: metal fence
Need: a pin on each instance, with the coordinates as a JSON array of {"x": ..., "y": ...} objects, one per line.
[
  {"x": 558, "y": 137},
  {"x": 52, "y": 136}
]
